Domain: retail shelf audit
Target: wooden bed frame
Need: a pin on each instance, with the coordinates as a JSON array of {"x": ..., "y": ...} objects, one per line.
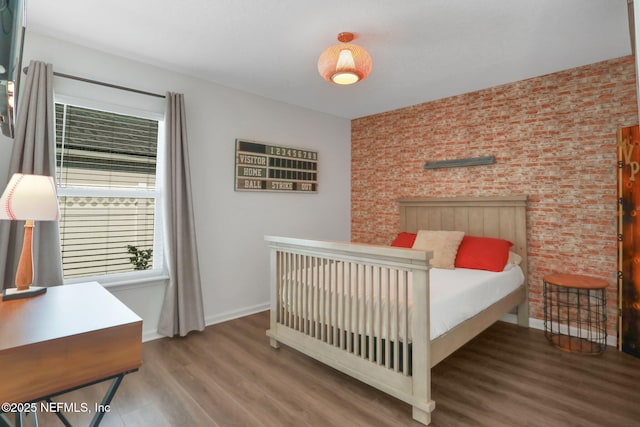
[{"x": 405, "y": 373}]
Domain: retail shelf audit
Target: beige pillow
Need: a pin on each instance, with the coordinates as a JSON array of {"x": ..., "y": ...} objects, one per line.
[
  {"x": 514, "y": 258},
  {"x": 444, "y": 245}
]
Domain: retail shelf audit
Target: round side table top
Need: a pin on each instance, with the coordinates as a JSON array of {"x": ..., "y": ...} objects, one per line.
[{"x": 575, "y": 281}]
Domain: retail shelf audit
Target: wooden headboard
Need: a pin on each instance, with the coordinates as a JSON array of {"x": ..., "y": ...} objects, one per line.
[{"x": 501, "y": 217}]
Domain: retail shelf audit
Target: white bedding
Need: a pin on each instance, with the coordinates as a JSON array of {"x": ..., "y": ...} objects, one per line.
[
  {"x": 456, "y": 295},
  {"x": 459, "y": 294}
]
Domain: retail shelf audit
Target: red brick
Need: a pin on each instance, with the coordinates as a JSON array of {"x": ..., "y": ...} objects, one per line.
[{"x": 554, "y": 138}]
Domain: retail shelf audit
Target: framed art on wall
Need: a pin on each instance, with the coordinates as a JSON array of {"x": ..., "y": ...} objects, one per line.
[{"x": 263, "y": 167}]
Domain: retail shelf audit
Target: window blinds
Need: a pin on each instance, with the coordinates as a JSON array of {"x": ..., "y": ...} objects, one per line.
[
  {"x": 105, "y": 149},
  {"x": 107, "y": 189}
]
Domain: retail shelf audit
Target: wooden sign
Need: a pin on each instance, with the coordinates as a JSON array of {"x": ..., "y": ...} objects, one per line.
[
  {"x": 629, "y": 240},
  {"x": 261, "y": 167}
]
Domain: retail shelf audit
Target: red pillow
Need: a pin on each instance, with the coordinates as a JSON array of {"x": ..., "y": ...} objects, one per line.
[
  {"x": 483, "y": 253},
  {"x": 404, "y": 240}
]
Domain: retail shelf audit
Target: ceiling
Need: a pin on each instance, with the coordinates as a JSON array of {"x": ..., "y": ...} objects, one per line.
[{"x": 422, "y": 49}]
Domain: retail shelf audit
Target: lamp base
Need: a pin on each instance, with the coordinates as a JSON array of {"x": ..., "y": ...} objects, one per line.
[{"x": 14, "y": 293}]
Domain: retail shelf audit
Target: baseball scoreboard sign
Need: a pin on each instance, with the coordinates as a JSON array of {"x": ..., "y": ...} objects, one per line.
[{"x": 262, "y": 167}]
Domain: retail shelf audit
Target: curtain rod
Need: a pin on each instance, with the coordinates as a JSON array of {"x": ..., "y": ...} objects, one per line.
[{"x": 82, "y": 79}]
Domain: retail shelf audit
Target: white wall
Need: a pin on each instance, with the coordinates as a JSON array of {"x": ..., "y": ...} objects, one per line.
[{"x": 230, "y": 225}]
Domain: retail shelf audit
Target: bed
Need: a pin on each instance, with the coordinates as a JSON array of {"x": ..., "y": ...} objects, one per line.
[{"x": 365, "y": 309}]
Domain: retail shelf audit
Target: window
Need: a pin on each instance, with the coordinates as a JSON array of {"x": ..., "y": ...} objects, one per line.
[{"x": 106, "y": 173}]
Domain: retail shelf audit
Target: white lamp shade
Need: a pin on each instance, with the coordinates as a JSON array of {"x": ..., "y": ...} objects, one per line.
[{"x": 30, "y": 197}]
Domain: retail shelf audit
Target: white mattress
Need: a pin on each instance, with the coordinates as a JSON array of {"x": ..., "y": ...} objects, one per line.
[
  {"x": 459, "y": 294},
  {"x": 456, "y": 295}
]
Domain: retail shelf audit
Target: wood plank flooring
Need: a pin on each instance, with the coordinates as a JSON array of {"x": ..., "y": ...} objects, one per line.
[{"x": 228, "y": 375}]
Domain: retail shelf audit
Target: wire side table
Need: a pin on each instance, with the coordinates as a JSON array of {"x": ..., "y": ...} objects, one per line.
[{"x": 575, "y": 312}]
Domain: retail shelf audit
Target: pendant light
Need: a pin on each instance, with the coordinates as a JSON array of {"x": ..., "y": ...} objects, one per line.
[{"x": 344, "y": 63}]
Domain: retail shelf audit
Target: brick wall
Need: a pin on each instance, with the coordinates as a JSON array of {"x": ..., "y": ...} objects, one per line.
[{"x": 554, "y": 138}]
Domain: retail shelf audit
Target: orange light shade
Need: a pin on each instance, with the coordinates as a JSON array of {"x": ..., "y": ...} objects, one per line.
[{"x": 344, "y": 63}]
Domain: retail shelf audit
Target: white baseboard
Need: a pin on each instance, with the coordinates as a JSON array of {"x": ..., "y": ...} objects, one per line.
[
  {"x": 539, "y": 324},
  {"x": 151, "y": 335},
  {"x": 234, "y": 314}
]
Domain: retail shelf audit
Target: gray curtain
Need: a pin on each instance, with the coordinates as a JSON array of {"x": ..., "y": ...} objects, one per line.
[
  {"x": 182, "y": 310},
  {"x": 33, "y": 152}
]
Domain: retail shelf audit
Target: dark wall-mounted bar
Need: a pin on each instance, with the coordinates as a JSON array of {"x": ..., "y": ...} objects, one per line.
[{"x": 461, "y": 163}]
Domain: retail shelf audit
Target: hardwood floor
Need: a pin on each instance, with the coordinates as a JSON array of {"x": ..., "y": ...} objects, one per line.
[{"x": 228, "y": 375}]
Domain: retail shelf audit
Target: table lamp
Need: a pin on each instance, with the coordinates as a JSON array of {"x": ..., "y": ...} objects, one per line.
[{"x": 29, "y": 198}]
